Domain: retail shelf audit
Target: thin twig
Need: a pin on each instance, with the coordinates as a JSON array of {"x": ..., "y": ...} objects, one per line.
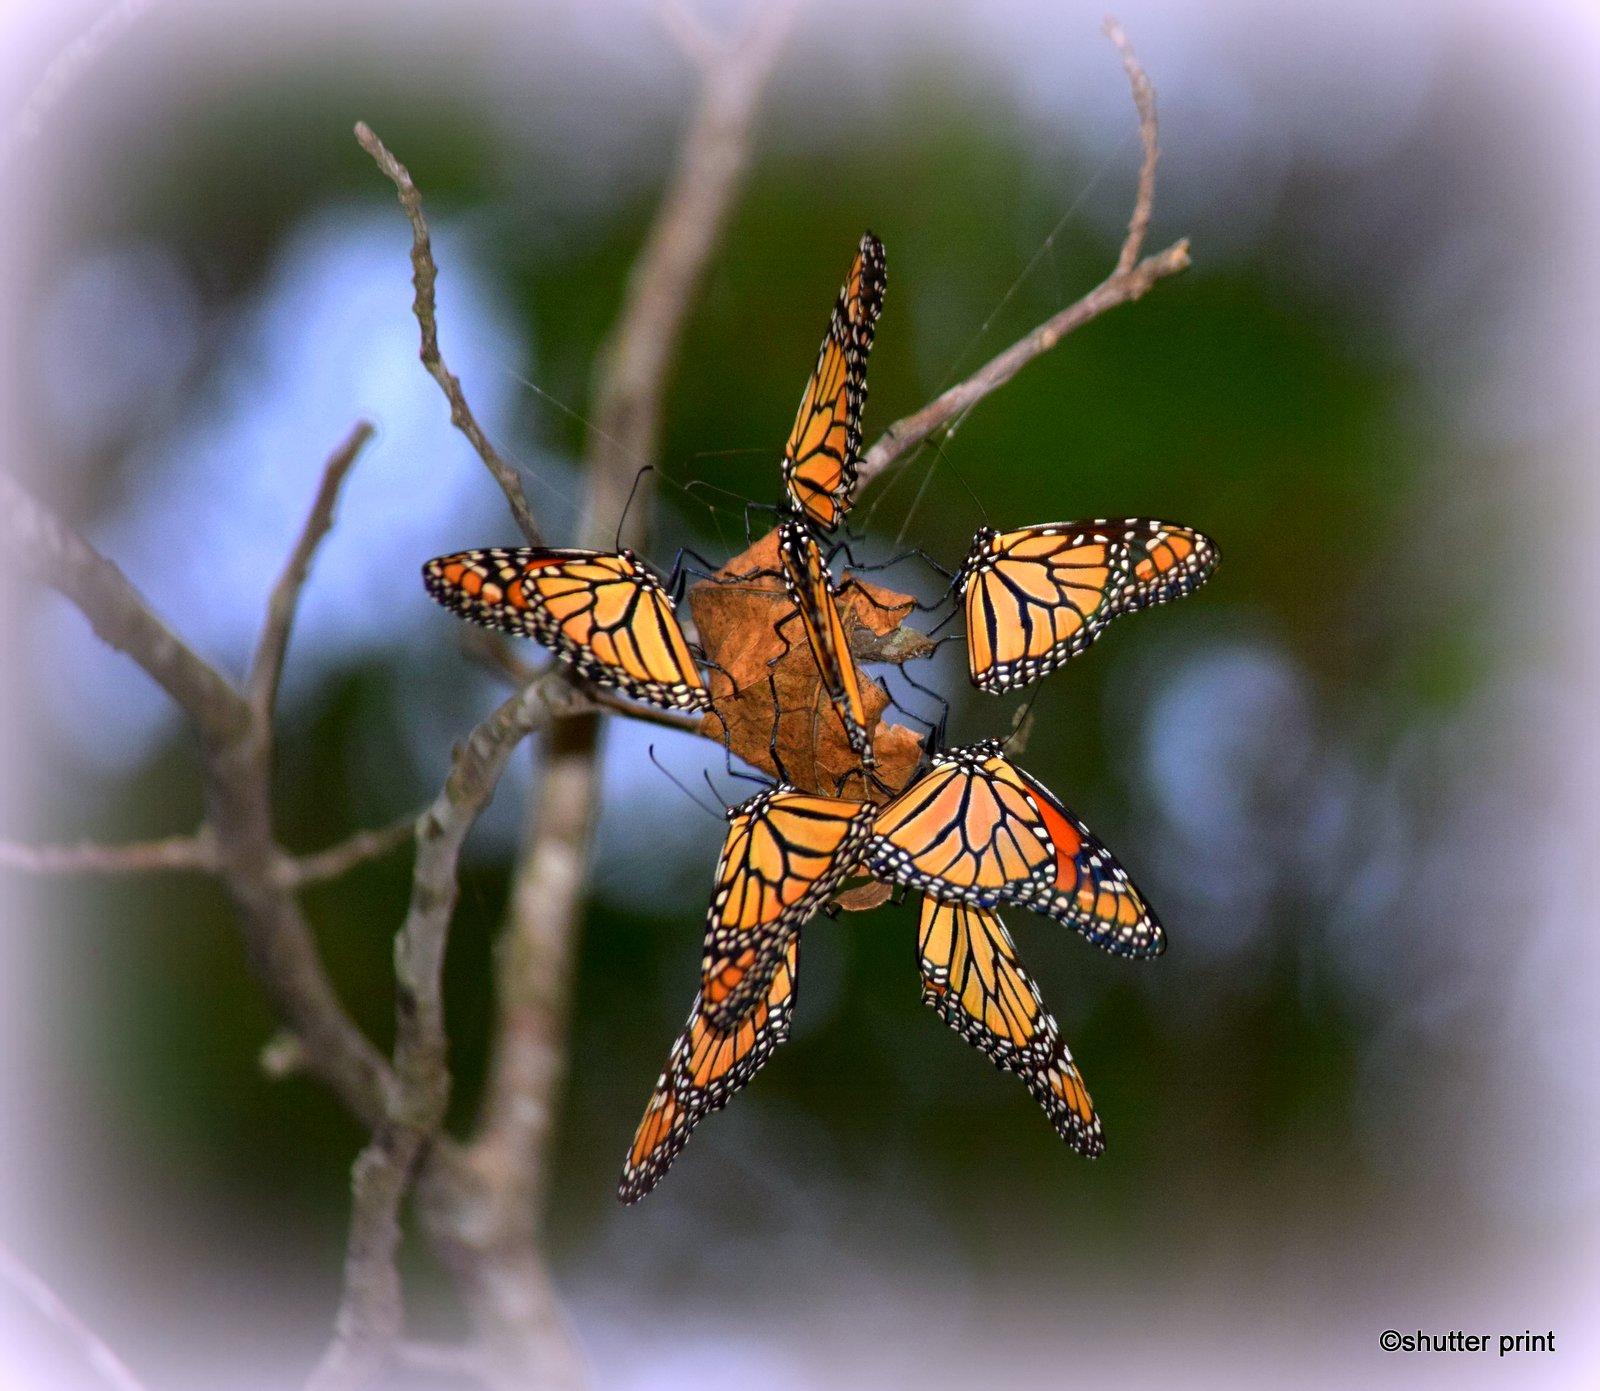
[
  {"x": 266, "y": 668},
  {"x": 39, "y": 544},
  {"x": 1130, "y": 279},
  {"x": 196, "y": 852},
  {"x": 107, "y": 1366},
  {"x": 337, "y": 860},
  {"x": 423, "y": 275},
  {"x": 371, "y": 1310},
  {"x": 1144, "y": 100},
  {"x": 647, "y": 714},
  {"x": 633, "y": 365}
]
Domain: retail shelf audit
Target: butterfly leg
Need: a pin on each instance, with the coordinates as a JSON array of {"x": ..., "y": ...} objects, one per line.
[
  {"x": 936, "y": 729},
  {"x": 853, "y": 581},
  {"x": 679, "y": 576},
  {"x": 843, "y": 547},
  {"x": 777, "y": 718}
]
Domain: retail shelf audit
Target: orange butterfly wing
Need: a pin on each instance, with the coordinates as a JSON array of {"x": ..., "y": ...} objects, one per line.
[
  {"x": 1037, "y": 597},
  {"x": 706, "y": 1067},
  {"x": 824, "y": 446},
  {"x": 971, "y": 977},
  {"x": 784, "y": 855},
  {"x": 603, "y": 613},
  {"x": 1089, "y": 890},
  {"x": 977, "y": 829},
  {"x": 966, "y": 830},
  {"x": 810, "y": 589}
]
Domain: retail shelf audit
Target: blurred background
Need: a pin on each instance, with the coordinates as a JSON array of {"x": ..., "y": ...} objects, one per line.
[{"x": 1355, "y": 773}]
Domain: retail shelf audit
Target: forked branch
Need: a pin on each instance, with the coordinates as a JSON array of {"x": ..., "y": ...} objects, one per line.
[
  {"x": 1130, "y": 279},
  {"x": 424, "y": 273}
]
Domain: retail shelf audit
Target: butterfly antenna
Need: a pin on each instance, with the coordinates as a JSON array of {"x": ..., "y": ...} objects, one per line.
[
  {"x": 679, "y": 784},
  {"x": 633, "y": 492},
  {"x": 715, "y": 790},
  {"x": 961, "y": 478}
]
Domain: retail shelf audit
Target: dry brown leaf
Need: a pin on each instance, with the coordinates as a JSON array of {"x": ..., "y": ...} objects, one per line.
[{"x": 737, "y": 617}]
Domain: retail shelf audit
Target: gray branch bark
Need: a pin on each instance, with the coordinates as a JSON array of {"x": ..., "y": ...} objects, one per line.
[{"x": 235, "y": 760}]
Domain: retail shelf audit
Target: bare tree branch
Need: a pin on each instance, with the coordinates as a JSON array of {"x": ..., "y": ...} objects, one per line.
[
  {"x": 488, "y": 651},
  {"x": 196, "y": 852},
  {"x": 695, "y": 41},
  {"x": 266, "y": 668},
  {"x": 107, "y": 1366},
  {"x": 372, "y": 1306},
  {"x": 371, "y": 1312},
  {"x": 41, "y": 545},
  {"x": 319, "y": 866},
  {"x": 234, "y": 761},
  {"x": 1129, "y": 280},
  {"x": 1144, "y": 100},
  {"x": 423, "y": 275}
]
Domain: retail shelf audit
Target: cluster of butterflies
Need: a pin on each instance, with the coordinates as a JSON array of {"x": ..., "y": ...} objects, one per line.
[{"x": 972, "y": 833}]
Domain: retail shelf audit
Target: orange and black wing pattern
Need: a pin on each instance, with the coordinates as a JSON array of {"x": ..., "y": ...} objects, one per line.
[
  {"x": 824, "y": 448},
  {"x": 966, "y": 830},
  {"x": 1087, "y": 890},
  {"x": 971, "y": 977},
  {"x": 602, "y": 612},
  {"x": 784, "y": 854},
  {"x": 1037, "y": 597},
  {"x": 810, "y": 589},
  {"x": 706, "y": 1067}
]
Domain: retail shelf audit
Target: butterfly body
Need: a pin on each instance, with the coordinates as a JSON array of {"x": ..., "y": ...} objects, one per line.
[
  {"x": 604, "y": 613},
  {"x": 784, "y": 854},
  {"x": 809, "y": 586},
  {"x": 1036, "y": 597}
]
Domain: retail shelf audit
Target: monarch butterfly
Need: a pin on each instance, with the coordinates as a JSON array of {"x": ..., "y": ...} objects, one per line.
[
  {"x": 785, "y": 852},
  {"x": 604, "y": 613},
  {"x": 977, "y": 829},
  {"x": 972, "y": 979},
  {"x": 706, "y": 1067},
  {"x": 824, "y": 447},
  {"x": 810, "y": 589},
  {"x": 1038, "y": 596}
]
